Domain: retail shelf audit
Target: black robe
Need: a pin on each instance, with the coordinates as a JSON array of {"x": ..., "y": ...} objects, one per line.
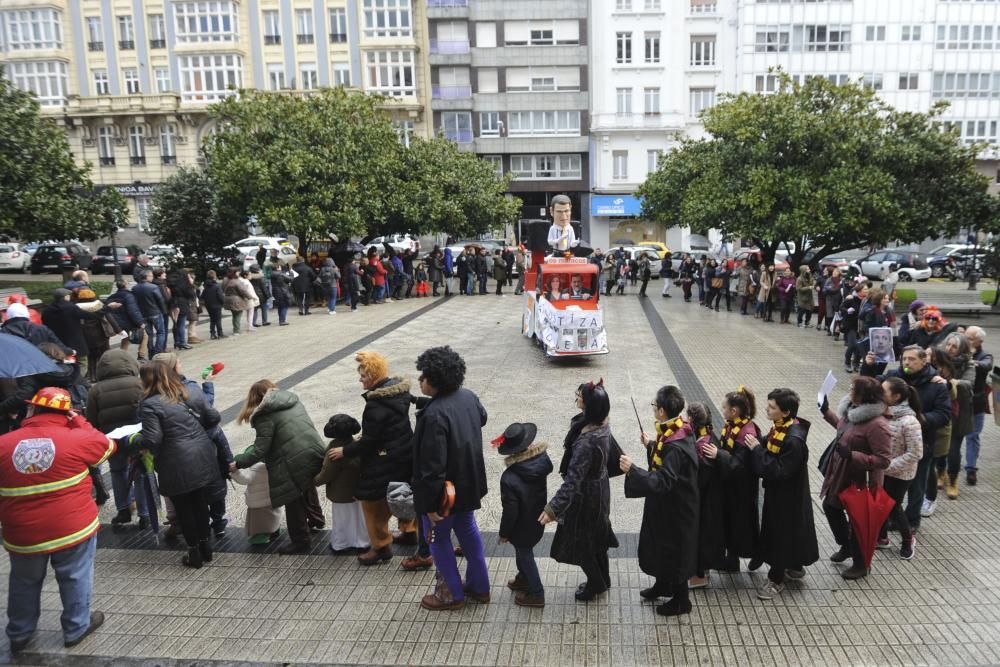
[
  {"x": 739, "y": 496},
  {"x": 711, "y": 534},
  {"x": 668, "y": 539},
  {"x": 787, "y": 531}
]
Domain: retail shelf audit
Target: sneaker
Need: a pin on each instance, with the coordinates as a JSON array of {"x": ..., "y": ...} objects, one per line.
[
  {"x": 855, "y": 572},
  {"x": 908, "y": 547},
  {"x": 769, "y": 590},
  {"x": 840, "y": 555},
  {"x": 927, "y": 509},
  {"x": 951, "y": 488},
  {"x": 883, "y": 543},
  {"x": 970, "y": 477},
  {"x": 795, "y": 575},
  {"x": 331, "y": 312}
]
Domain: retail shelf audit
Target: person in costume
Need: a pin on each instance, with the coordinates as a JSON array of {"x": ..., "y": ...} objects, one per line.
[
  {"x": 561, "y": 235},
  {"x": 711, "y": 537}
]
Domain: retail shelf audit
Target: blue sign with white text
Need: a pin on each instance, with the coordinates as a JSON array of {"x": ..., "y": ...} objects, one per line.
[{"x": 615, "y": 205}]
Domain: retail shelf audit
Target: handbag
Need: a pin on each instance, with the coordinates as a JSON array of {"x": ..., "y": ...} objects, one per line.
[
  {"x": 109, "y": 326},
  {"x": 824, "y": 458},
  {"x": 136, "y": 336},
  {"x": 614, "y": 454},
  {"x": 399, "y": 495},
  {"x": 716, "y": 283}
]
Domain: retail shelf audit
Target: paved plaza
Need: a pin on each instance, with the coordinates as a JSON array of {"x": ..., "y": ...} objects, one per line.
[{"x": 256, "y": 607}]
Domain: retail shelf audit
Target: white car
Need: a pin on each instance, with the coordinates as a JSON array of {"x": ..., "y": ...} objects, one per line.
[
  {"x": 249, "y": 245},
  {"x": 911, "y": 265},
  {"x": 398, "y": 242},
  {"x": 14, "y": 258},
  {"x": 161, "y": 255},
  {"x": 286, "y": 252}
]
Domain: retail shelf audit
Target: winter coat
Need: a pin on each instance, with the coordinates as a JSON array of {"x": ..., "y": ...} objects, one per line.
[
  {"x": 906, "y": 443},
  {"x": 128, "y": 317},
  {"x": 787, "y": 530},
  {"x": 184, "y": 293},
  {"x": 35, "y": 334},
  {"x": 113, "y": 400},
  {"x": 864, "y": 430},
  {"x": 281, "y": 288},
  {"x": 448, "y": 446},
  {"x": 302, "y": 283},
  {"x": 785, "y": 288},
  {"x": 668, "y": 538},
  {"x": 462, "y": 265},
  {"x": 288, "y": 443},
  {"x": 743, "y": 280},
  {"x": 804, "y": 289},
  {"x": 329, "y": 275},
  {"x": 385, "y": 449},
  {"x": 523, "y": 493},
  {"x": 935, "y": 400},
  {"x": 150, "y": 299},
  {"x": 63, "y": 318},
  {"x": 739, "y": 493},
  {"x": 499, "y": 270},
  {"x": 378, "y": 271},
  {"x": 238, "y": 297},
  {"x": 255, "y": 478},
  {"x": 340, "y": 476},
  {"x": 212, "y": 296},
  {"x": 983, "y": 364},
  {"x": 259, "y": 288},
  {"x": 767, "y": 281},
  {"x": 176, "y": 434},
  {"x": 850, "y": 312},
  {"x": 582, "y": 504},
  {"x": 435, "y": 267}
]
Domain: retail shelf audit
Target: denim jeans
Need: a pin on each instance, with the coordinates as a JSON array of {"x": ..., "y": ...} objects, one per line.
[
  {"x": 74, "y": 569},
  {"x": 282, "y": 313},
  {"x": 180, "y": 329},
  {"x": 125, "y": 493},
  {"x": 918, "y": 487},
  {"x": 972, "y": 442},
  {"x": 470, "y": 283},
  {"x": 477, "y": 577},
  {"x": 260, "y": 314},
  {"x": 156, "y": 331},
  {"x": 331, "y": 297},
  {"x": 524, "y": 557}
]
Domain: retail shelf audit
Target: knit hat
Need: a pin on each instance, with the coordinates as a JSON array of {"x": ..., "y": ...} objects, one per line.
[
  {"x": 168, "y": 358},
  {"x": 17, "y": 310},
  {"x": 916, "y": 305},
  {"x": 86, "y": 294}
]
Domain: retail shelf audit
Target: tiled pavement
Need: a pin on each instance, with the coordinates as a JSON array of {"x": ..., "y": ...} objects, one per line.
[{"x": 942, "y": 607}]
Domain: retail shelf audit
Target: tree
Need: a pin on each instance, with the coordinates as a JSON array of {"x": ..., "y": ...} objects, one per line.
[
  {"x": 43, "y": 193},
  {"x": 444, "y": 189},
  {"x": 829, "y": 167},
  {"x": 185, "y": 215},
  {"x": 314, "y": 166}
]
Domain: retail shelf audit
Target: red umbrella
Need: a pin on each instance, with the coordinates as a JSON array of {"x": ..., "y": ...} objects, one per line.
[{"x": 867, "y": 511}]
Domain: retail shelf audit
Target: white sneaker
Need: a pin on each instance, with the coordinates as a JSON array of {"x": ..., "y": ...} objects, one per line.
[
  {"x": 770, "y": 590},
  {"x": 331, "y": 312},
  {"x": 928, "y": 507}
]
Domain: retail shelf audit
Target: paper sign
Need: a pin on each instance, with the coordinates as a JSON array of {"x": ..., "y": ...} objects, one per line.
[
  {"x": 880, "y": 344},
  {"x": 829, "y": 382},
  {"x": 124, "y": 431}
]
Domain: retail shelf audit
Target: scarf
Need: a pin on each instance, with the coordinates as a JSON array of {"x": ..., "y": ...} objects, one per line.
[
  {"x": 777, "y": 435},
  {"x": 731, "y": 430},
  {"x": 704, "y": 432},
  {"x": 663, "y": 432}
]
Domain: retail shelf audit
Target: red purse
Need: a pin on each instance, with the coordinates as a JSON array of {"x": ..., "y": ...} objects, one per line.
[{"x": 447, "y": 502}]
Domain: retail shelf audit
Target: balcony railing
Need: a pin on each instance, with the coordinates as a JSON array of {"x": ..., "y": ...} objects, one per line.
[
  {"x": 458, "y": 136},
  {"x": 157, "y": 43},
  {"x": 95, "y": 46},
  {"x": 137, "y": 161},
  {"x": 338, "y": 37},
  {"x": 126, "y": 44},
  {"x": 272, "y": 39},
  {"x": 305, "y": 39},
  {"x": 451, "y": 92},
  {"x": 448, "y": 47},
  {"x": 107, "y": 162},
  {"x": 168, "y": 159},
  {"x": 447, "y": 3}
]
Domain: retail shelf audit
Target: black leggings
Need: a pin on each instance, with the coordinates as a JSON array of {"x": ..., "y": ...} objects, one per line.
[
  {"x": 192, "y": 515},
  {"x": 842, "y": 533},
  {"x": 718, "y": 297},
  {"x": 804, "y": 314},
  {"x": 896, "y": 488}
]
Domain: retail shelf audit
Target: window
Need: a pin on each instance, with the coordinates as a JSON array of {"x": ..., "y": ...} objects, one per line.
[
  {"x": 542, "y": 123},
  {"x": 216, "y": 21},
  {"x": 488, "y": 80},
  {"x": 828, "y": 38},
  {"x": 838, "y": 79},
  {"x": 95, "y": 34},
  {"x": 652, "y": 5},
  {"x": 497, "y": 162},
  {"x": 34, "y": 29},
  {"x": 143, "y": 206},
  {"x": 909, "y": 81},
  {"x": 162, "y": 77},
  {"x": 701, "y": 99},
  {"x": 304, "y": 26},
  {"x": 342, "y": 74},
  {"x": 977, "y": 131},
  {"x": 126, "y": 33},
  {"x": 136, "y": 145},
  {"x": 452, "y": 37},
  {"x": 387, "y": 18},
  {"x": 541, "y": 37},
  {"x": 539, "y": 167},
  {"x": 542, "y": 79},
  {"x": 872, "y": 81},
  {"x": 338, "y": 25},
  {"x": 101, "y": 85},
  {"x": 106, "y": 145},
  {"x": 910, "y": 33},
  {"x": 275, "y": 76},
  {"x": 703, "y": 51},
  {"x": 457, "y": 126},
  {"x": 390, "y": 72},
  {"x": 624, "y": 41},
  {"x": 623, "y": 5},
  {"x": 704, "y": 6},
  {"x": 272, "y": 27},
  {"x": 404, "y": 130},
  {"x": 210, "y": 77},
  {"x": 766, "y": 83},
  {"x": 966, "y": 84},
  {"x": 966, "y": 37},
  {"x": 624, "y": 99},
  {"x": 875, "y": 33},
  {"x": 489, "y": 124},
  {"x": 652, "y": 47},
  {"x": 453, "y": 83},
  {"x": 157, "y": 32},
  {"x": 542, "y": 84},
  {"x": 619, "y": 162},
  {"x": 771, "y": 39},
  {"x": 651, "y": 97},
  {"x": 45, "y": 78},
  {"x": 486, "y": 35},
  {"x": 168, "y": 143},
  {"x": 537, "y": 33},
  {"x": 131, "y": 77},
  {"x": 308, "y": 79},
  {"x": 652, "y": 160}
]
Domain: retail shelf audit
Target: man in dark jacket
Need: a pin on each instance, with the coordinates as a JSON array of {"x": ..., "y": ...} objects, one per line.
[
  {"x": 154, "y": 311},
  {"x": 448, "y": 455},
  {"x": 18, "y": 324},
  {"x": 141, "y": 266},
  {"x": 213, "y": 299},
  {"x": 408, "y": 272},
  {"x": 63, "y": 317},
  {"x": 850, "y": 311},
  {"x": 128, "y": 316},
  {"x": 462, "y": 268},
  {"x": 980, "y": 400},
  {"x": 302, "y": 285}
]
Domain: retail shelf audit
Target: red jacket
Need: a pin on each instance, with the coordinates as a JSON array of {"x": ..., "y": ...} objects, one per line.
[
  {"x": 45, "y": 487},
  {"x": 379, "y": 277}
]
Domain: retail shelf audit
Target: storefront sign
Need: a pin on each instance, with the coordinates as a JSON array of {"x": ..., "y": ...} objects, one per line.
[
  {"x": 131, "y": 190},
  {"x": 615, "y": 206}
]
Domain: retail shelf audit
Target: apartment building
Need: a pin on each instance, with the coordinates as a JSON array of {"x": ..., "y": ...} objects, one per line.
[
  {"x": 509, "y": 80},
  {"x": 130, "y": 80}
]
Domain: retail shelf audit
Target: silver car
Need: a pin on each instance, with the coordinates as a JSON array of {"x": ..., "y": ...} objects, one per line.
[{"x": 14, "y": 258}]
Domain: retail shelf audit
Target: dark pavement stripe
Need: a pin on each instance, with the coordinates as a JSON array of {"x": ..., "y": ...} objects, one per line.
[{"x": 230, "y": 413}]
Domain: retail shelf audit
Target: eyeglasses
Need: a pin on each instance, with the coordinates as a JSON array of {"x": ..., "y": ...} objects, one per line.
[{"x": 932, "y": 319}]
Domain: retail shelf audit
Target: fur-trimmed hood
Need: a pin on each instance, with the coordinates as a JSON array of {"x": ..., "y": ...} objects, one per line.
[
  {"x": 859, "y": 414},
  {"x": 531, "y": 452},
  {"x": 393, "y": 386}
]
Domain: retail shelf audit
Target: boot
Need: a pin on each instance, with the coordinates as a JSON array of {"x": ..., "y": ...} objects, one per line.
[
  {"x": 123, "y": 517},
  {"x": 517, "y": 583},
  {"x": 524, "y": 599},
  {"x": 375, "y": 556},
  {"x": 193, "y": 558},
  {"x": 205, "y": 549},
  {"x": 854, "y": 572},
  {"x": 951, "y": 487},
  {"x": 942, "y": 479}
]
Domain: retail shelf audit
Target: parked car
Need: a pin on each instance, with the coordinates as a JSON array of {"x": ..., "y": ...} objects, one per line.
[
  {"x": 160, "y": 256},
  {"x": 661, "y": 248},
  {"x": 943, "y": 258},
  {"x": 286, "y": 252},
  {"x": 399, "y": 243},
  {"x": 635, "y": 252},
  {"x": 103, "y": 261},
  {"x": 55, "y": 257},
  {"x": 250, "y": 244},
  {"x": 912, "y": 265},
  {"x": 13, "y": 258}
]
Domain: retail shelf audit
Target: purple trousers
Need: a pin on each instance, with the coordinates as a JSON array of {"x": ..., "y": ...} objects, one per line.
[{"x": 477, "y": 578}]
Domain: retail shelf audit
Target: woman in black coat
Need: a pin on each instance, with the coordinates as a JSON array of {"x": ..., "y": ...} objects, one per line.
[
  {"x": 711, "y": 538},
  {"x": 582, "y": 505},
  {"x": 184, "y": 295},
  {"x": 174, "y": 430},
  {"x": 281, "y": 292},
  {"x": 302, "y": 284}
]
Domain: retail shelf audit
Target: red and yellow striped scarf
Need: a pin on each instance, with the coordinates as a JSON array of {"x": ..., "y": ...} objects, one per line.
[
  {"x": 776, "y": 436},
  {"x": 731, "y": 430},
  {"x": 704, "y": 432},
  {"x": 663, "y": 432}
]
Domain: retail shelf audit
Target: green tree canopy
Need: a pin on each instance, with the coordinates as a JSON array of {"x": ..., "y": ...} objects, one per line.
[
  {"x": 830, "y": 167},
  {"x": 43, "y": 193}
]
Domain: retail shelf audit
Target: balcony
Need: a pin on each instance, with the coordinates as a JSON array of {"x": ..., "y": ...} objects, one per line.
[
  {"x": 95, "y": 46},
  {"x": 338, "y": 37},
  {"x": 271, "y": 40},
  {"x": 637, "y": 121},
  {"x": 451, "y": 92},
  {"x": 137, "y": 161},
  {"x": 157, "y": 43},
  {"x": 447, "y": 3},
  {"x": 126, "y": 44},
  {"x": 447, "y": 9},
  {"x": 443, "y": 47},
  {"x": 460, "y": 137},
  {"x": 107, "y": 162},
  {"x": 305, "y": 39},
  {"x": 110, "y": 104}
]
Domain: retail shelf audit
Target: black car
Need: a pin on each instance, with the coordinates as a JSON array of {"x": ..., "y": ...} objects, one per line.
[
  {"x": 55, "y": 257},
  {"x": 104, "y": 261}
]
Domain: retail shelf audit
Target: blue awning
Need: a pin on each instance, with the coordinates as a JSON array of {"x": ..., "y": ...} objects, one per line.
[{"x": 615, "y": 206}]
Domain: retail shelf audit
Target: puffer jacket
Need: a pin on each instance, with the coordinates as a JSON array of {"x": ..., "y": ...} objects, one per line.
[
  {"x": 523, "y": 494},
  {"x": 385, "y": 446},
  {"x": 237, "y": 297},
  {"x": 114, "y": 399},
  {"x": 804, "y": 288},
  {"x": 258, "y": 494},
  {"x": 212, "y": 296},
  {"x": 302, "y": 282},
  {"x": 907, "y": 443},
  {"x": 288, "y": 443},
  {"x": 24, "y": 328},
  {"x": 176, "y": 434}
]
